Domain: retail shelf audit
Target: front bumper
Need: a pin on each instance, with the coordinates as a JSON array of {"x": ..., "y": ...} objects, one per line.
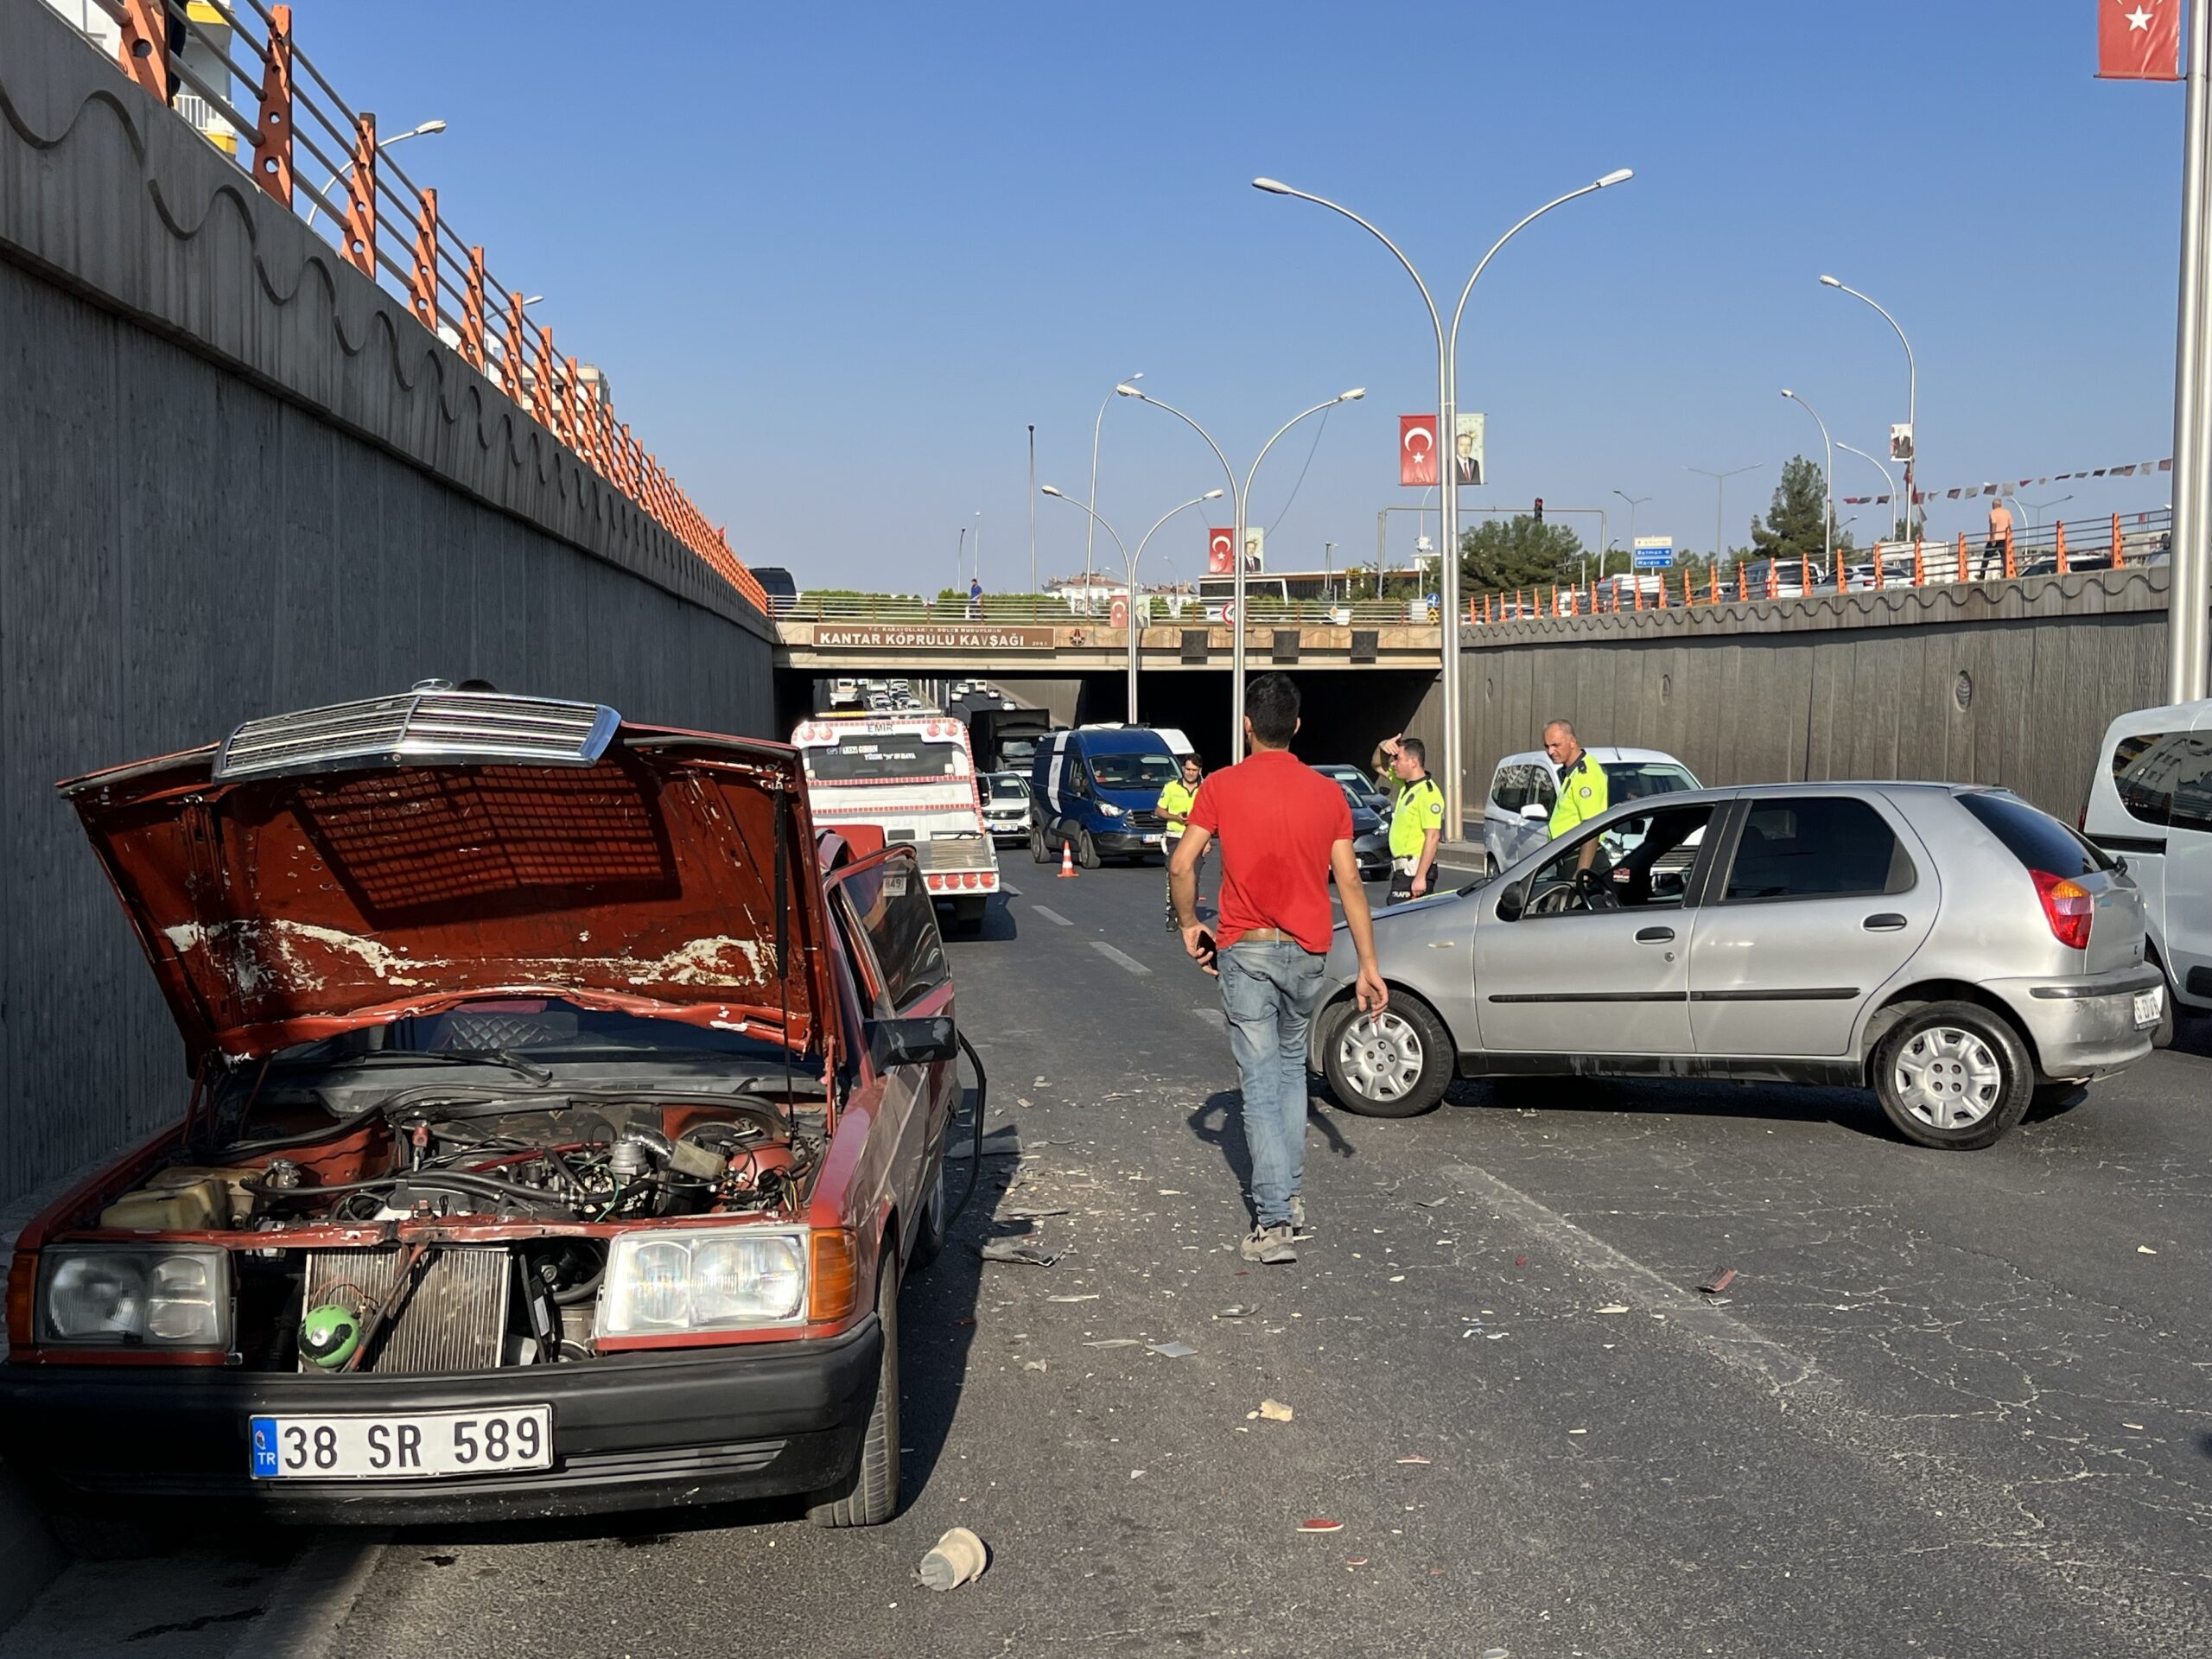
[
  {"x": 1123, "y": 843},
  {"x": 630, "y": 1432},
  {"x": 2082, "y": 1027}
]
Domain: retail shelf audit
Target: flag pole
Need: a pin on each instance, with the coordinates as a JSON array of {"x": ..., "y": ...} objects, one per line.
[{"x": 2188, "y": 658}]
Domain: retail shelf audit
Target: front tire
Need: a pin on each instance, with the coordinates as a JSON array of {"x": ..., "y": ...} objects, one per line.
[
  {"x": 1396, "y": 1064},
  {"x": 869, "y": 1496},
  {"x": 1086, "y": 850},
  {"x": 1953, "y": 1076},
  {"x": 1038, "y": 852}
]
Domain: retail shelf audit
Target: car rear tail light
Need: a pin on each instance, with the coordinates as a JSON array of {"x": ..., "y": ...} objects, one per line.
[
  {"x": 834, "y": 1285},
  {"x": 2067, "y": 907}
]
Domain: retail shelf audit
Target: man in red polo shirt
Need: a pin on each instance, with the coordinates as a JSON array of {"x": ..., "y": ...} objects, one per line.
[{"x": 1283, "y": 828}]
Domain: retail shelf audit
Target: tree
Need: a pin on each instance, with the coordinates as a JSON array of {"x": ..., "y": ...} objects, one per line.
[
  {"x": 1792, "y": 530},
  {"x": 1517, "y": 552}
]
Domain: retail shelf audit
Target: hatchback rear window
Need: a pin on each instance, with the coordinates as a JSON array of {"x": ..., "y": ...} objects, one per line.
[{"x": 2036, "y": 839}]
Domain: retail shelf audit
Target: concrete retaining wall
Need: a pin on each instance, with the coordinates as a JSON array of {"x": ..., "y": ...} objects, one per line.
[
  {"x": 236, "y": 478},
  {"x": 2010, "y": 683}
]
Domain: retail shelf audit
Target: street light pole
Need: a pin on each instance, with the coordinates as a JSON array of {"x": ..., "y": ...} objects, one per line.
[
  {"x": 1096, "y": 424},
  {"x": 1911, "y": 402},
  {"x": 1242, "y": 500},
  {"x": 1130, "y": 562},
  {"x": 1447, "y": 391},
  {"x": 1033, "y": 506},
  {"x": 2037, "y": 507},
  {"x": 1719, "y": 499},
  {"x": 383, "y": 144},
  {"x": 1634, "y": 502},
  {"x": 1827, "y": 480},
  {"x": 2187, "y": 666},
  {"x": 1891, "y": 483}
]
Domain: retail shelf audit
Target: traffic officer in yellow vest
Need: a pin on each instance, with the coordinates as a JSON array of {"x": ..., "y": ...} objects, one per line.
[
  {"x": 1175, "y": 802},
  {"x": 1583, "y": 792},
  {"x": 1416, "y": 823}
]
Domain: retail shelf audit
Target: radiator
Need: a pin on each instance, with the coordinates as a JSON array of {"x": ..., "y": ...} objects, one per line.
[{"x": 454, "y": 1319}]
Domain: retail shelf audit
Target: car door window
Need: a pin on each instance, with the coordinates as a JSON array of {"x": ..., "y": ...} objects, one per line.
[
  {"x": 1543, "y": 788},
  {"x": 899, "y": 924},
  {"x": 1508, "y": 789},
  {"x": 2146, "y": 770},
  {"x": 1641, "y": 862},
  {"x": 1816, "y": 847}
]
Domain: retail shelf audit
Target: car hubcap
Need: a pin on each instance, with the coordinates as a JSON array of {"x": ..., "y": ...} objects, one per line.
[
  {"x": 1381, "y": 1056},
  {"x": 1948, "y": 1079}
]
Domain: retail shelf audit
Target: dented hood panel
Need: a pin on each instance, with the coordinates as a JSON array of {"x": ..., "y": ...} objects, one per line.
[{"x": 280, "y": 910}]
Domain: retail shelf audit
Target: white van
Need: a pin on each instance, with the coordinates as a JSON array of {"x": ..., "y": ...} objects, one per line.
[
  {"x": 2151, "y": 803},
  {"x": 1517, "y": 815}
]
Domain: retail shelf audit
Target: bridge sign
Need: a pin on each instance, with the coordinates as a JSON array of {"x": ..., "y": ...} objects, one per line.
[
  {"x": 1655, "y": 552},
  {"x": 926, "y": 636}
]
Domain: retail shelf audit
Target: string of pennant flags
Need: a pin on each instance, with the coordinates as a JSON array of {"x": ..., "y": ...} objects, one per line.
[{"x": 1968, "y": 492}]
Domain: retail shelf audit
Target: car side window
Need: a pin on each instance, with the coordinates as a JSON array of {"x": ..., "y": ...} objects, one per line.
[
  {"x": 1816, "y": 847},
  {"x": 2165, "y": 779},
  {"x": 1641, "y": 862},
  {"x": 1543, "y": 787},
  {"x": 1508, "y": 789},
  {"x": 895, "y": 914}
]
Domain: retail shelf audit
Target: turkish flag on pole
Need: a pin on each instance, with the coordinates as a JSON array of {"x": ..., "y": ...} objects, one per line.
[
  {"x": 1221, "y": 551},
  {"x": 1417, "y": 450},
  {"x": 2138, "y": 40}
]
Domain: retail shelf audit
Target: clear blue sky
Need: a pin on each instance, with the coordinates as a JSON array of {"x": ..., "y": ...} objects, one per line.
[{"x": 836, "y": 259}]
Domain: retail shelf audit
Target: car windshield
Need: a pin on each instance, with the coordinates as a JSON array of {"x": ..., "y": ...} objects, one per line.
[
  {"x": 1153, "y": 771},
  {"x": 1006, "y": 786},
  {"x": 1633, "y": 780},
  {"x": 874, "y": 756}
]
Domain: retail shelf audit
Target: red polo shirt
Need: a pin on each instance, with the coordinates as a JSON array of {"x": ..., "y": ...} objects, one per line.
[{"x": 1276, "y": 819}]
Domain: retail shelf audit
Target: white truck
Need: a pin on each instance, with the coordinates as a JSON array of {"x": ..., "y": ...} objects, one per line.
[{"x": 911, "y": 776}]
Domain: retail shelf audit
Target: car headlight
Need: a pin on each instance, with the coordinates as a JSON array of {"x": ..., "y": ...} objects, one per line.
[
  {"x": 154, "y": 1296},
  {"x": 722, "y": 1279},
  {"x": 1109, "y": 810}
]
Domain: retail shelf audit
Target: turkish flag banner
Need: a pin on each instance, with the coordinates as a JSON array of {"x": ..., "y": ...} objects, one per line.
[
  {"x": 1221, "y": 551},
  {"x": 1417, "y": 450},
  {"x": 2138, "y": 40}
]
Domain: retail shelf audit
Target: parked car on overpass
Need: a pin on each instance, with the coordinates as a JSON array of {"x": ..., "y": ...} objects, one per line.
[{"x": 1953, "y": 949}]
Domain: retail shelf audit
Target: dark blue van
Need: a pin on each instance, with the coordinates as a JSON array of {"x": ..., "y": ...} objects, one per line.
[{"x": 1097, "y": 789}]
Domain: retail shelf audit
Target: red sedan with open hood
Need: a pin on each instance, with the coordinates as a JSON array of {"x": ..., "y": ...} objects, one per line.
[{"x": 561, "y": 1116}]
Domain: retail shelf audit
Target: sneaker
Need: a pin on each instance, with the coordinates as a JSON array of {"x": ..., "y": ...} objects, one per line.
[
  {"x": 1298, "y": 1227},
  {"x": 1270, "y": 1245}
]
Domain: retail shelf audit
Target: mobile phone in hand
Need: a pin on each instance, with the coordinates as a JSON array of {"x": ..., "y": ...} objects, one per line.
[{"x": 1209, "y": 952}]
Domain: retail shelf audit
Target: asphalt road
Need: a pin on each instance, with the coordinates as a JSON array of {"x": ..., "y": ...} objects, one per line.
[{"x": 1951, "y": 1405}]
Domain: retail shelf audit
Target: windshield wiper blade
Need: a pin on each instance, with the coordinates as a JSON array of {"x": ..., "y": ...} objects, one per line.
[{"x": 500, "y": 1057}]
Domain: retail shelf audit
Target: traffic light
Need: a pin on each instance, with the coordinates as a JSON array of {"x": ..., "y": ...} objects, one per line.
[{"x": 1540, "y": 509}]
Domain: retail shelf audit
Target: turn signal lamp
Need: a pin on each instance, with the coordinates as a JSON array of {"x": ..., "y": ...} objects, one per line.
[
  {"x": 834, "y": 1286},
  {"x": 2067, "y": 907}
]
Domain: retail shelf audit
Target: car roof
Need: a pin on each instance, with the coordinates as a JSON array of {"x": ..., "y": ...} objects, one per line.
[{"x": 1601, "y": 753}]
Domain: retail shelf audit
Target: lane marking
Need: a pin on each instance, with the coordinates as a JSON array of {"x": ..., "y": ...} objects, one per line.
[
  {"x": 1730, "y": 1339},
  {"x": 1051, "y": 916},
  {"x": 1112, "y": 954}
]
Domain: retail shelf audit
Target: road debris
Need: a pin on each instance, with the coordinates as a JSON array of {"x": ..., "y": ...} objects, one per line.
[
  {"x": 1013, "y": 1249},
  {"x": 1320, "y": 1523},
  {"x": 1115, "y": 1342},
  {"x": 1275, "y": 1411},
  {"x": 1087, "y": 1296},
  {"x": 1026, "y": 1214},
  {"x": 1038, "y": 1366},
  {"x": 1520, "y": 1261},
  {"x": 1414, "y": 1457},
  {"x": 958, "y": 1558},
  {"x": 1172, "y": 1349},
  {"x": 1612, "y": 1308},
  {"x": 1719, "y": 1282},
  {"x": 2145, "y": 1249},
  {"x": 1236, "y": 1311}
]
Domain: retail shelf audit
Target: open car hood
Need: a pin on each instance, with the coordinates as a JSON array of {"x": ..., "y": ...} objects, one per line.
[{"x": 288, "y": 895}]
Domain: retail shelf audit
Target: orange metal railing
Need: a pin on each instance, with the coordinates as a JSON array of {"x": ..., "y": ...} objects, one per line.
[
  {"x": 2053, "y": 549},
  {"x": 389, "y": 229}
]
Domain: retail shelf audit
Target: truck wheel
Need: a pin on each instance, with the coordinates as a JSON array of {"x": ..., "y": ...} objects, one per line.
[
  {"x": 869, "y": 1496},
  {"x": 967, "y": 914},
  {"x": 1396, "y": 1065},
  {"x": 1038, "y": 852},
  {"x": 1953, "y": 1076},
  {"x": 1086, "y": 850}
]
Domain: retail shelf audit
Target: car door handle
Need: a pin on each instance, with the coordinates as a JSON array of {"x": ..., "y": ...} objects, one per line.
[
  {"x": 1654, "y": 935},
  {"x": 1888, "y": 922}
]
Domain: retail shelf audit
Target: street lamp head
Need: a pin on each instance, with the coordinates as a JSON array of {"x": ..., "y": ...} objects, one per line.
[
  {"x": 1353, "y": 395},
  {"x": 1828, "y": 280},
  {"x": 534, "y": 299},
  {"x": 1619, "y": 175},
  {"x": 1048, "y": 490},
  {"x": 1216, "y": 495},
  {"x": 1788, "y": 393},
  {"x": 1127, "y": 390},
  {"x": 1272, "y": 186},
  {"x": 431, "y": 126}
]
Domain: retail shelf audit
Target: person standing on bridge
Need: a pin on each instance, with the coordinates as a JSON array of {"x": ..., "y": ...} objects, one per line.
[
  {"x": 975, "y": 597},
  {"x": 1174, "y": 805},
  {"x": 1284, "y": 830},
  {"x": 1416, "y": 822},
  {"x": 1997, "y": 550}
]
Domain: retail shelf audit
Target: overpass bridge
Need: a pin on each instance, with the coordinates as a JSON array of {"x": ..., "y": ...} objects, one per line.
[{"x": 1364, "y": 667}]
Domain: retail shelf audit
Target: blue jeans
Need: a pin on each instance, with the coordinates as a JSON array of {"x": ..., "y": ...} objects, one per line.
[{"x": 1268, "y": 989}]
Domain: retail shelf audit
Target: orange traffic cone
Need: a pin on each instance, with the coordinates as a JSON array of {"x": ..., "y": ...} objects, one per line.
[{"x": 1067, "y": 860}]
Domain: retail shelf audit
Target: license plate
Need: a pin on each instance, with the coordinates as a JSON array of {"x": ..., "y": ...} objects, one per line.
[
  {"x": 1152, "y": 840},
  {"x": 404, "y": 1445},
  {"x": 2148, "y": 1006}
]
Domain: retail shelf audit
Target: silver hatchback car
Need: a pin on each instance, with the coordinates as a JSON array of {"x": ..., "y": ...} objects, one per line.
[{"x": 1952, "y": 948}]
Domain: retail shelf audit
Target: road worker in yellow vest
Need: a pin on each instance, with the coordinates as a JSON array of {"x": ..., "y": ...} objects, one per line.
[
  {"x": 1416, "y": 823},
  {"x": 1583, "y": 791}
]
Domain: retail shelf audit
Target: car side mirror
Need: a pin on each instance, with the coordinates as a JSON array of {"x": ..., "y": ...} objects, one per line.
[
  {"x": 912, "y": 1042},
  {"x": 1533, "y": 813},
  {"x": 1509, "y": 903}
]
